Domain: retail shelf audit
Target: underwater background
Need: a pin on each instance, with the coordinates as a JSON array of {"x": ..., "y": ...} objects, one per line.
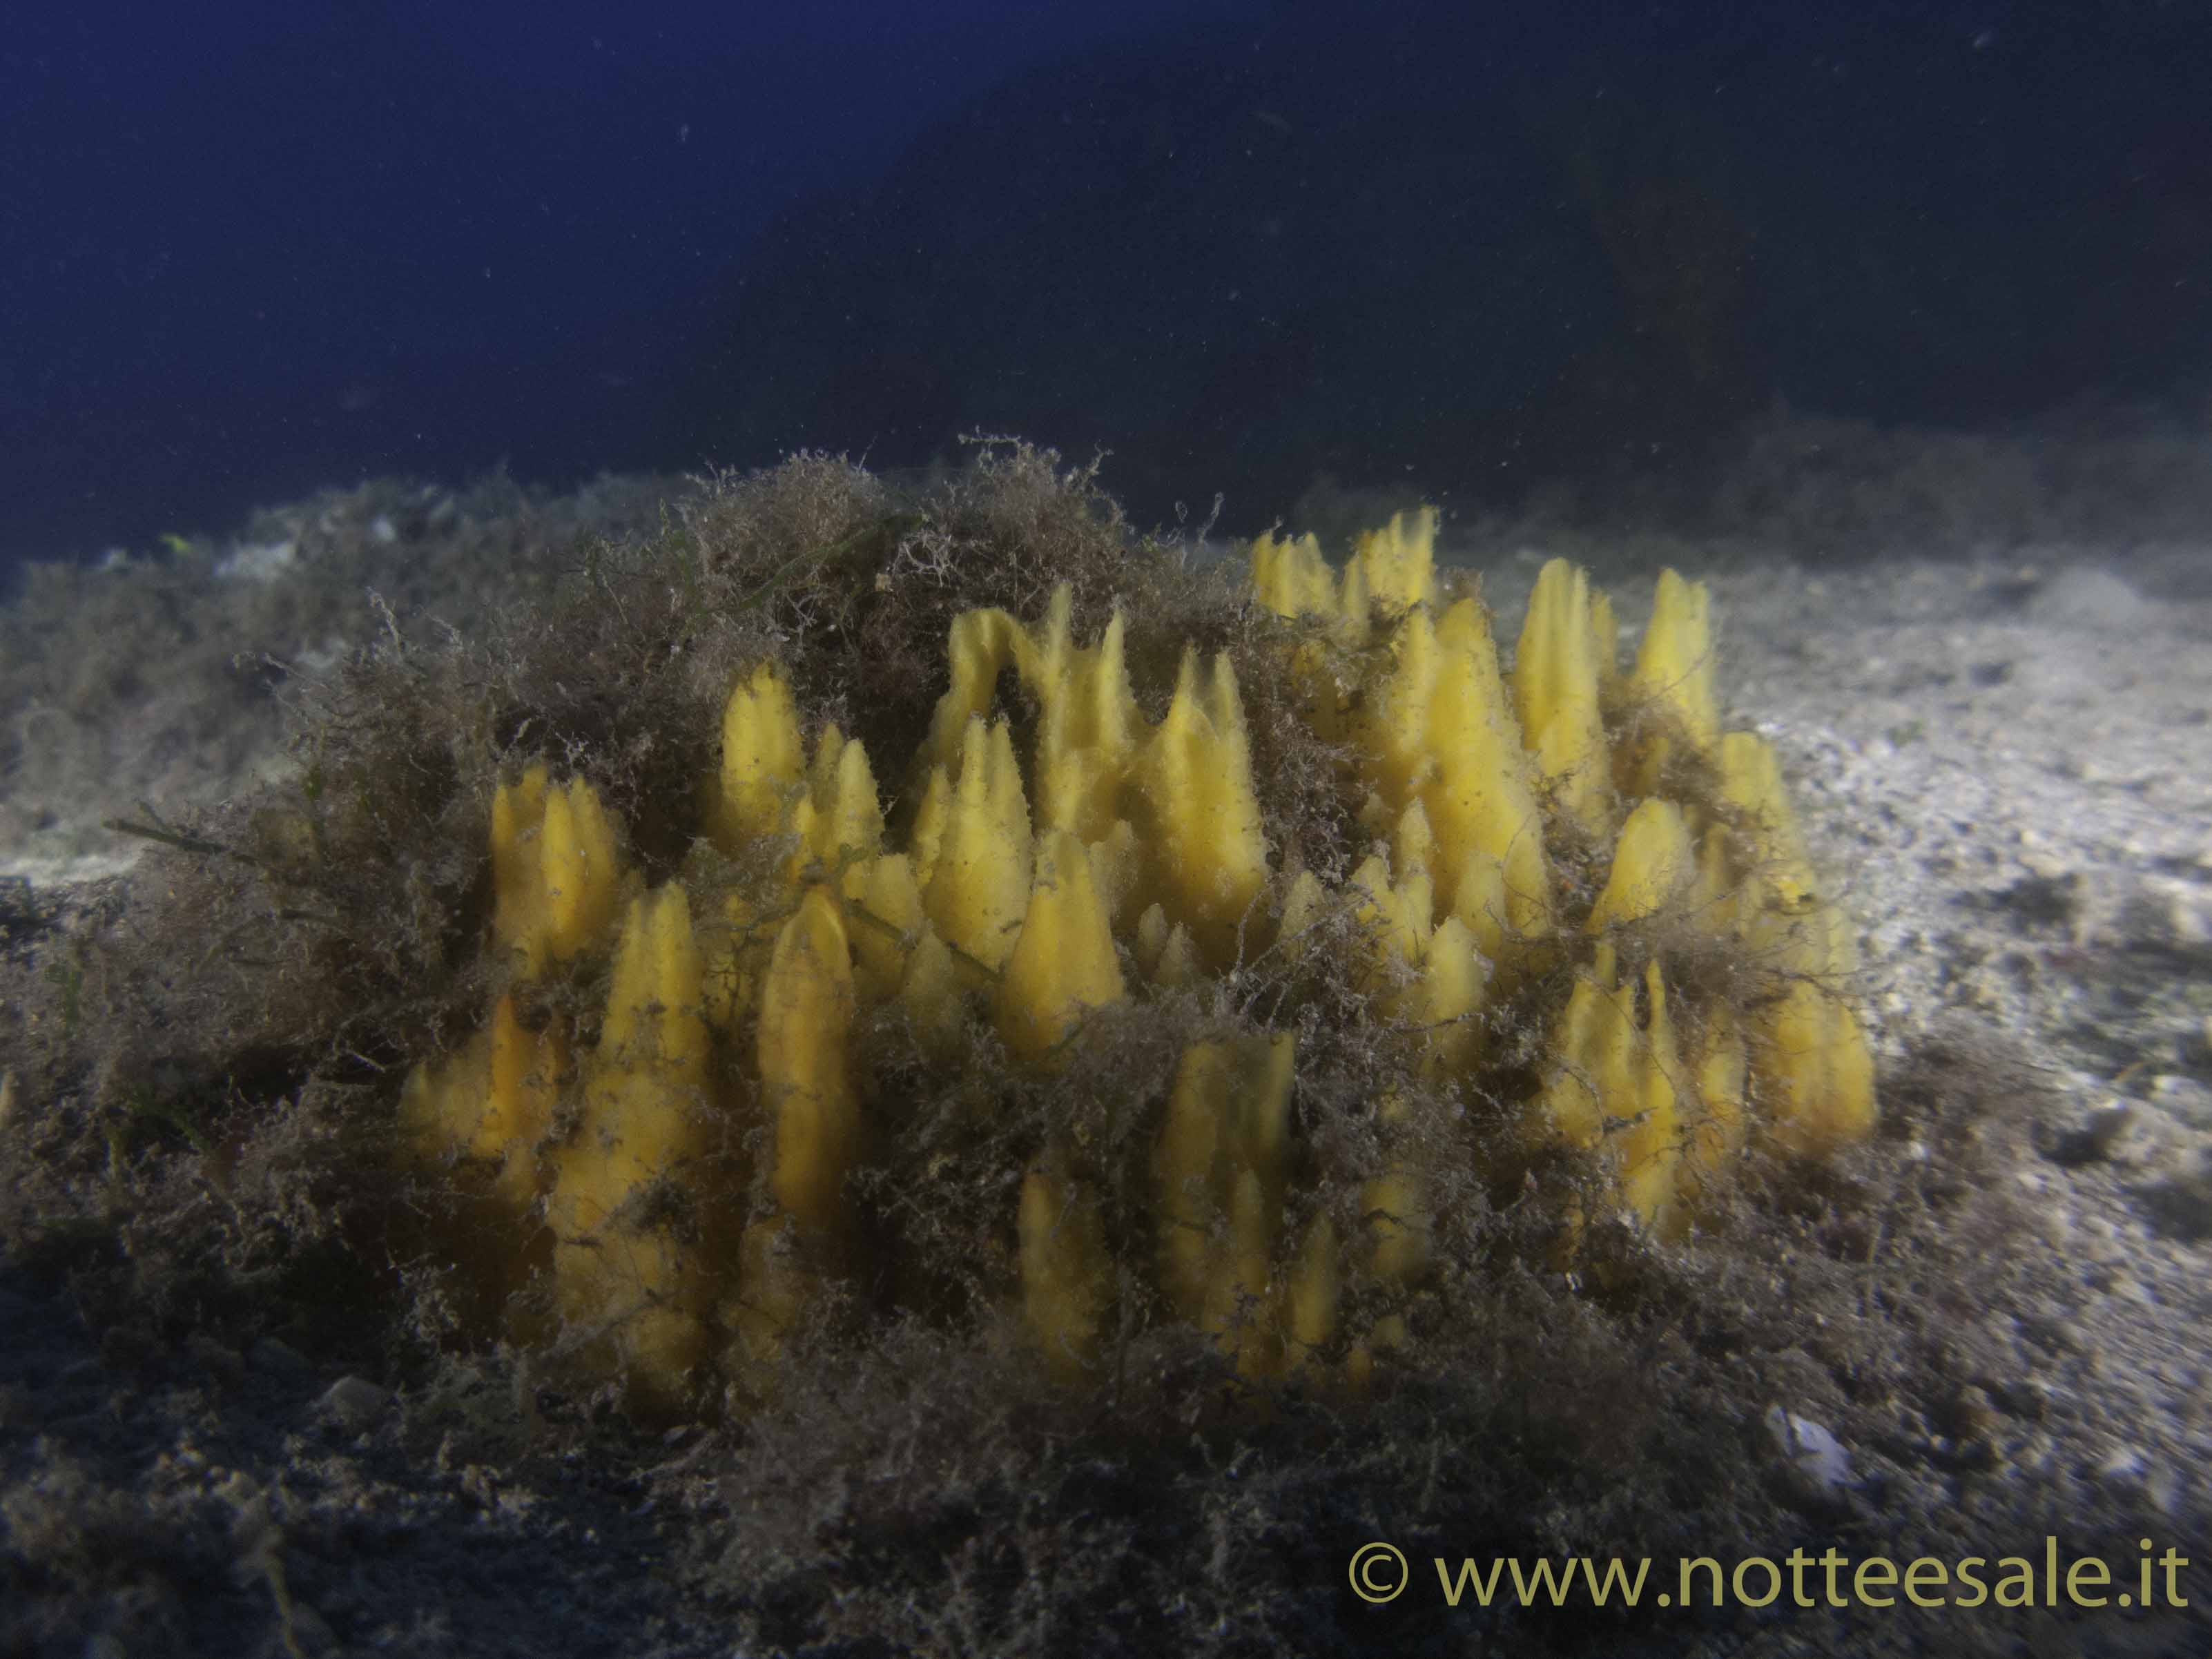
[
  {"x": 991, "y": 829},
  {"x": 1477, "y": 251}
]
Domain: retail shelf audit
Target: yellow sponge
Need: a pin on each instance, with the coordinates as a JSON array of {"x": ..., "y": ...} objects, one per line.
[
  {"x": 763, "y": 762},
  {"x": 806, "y": 1069},
  {"x": 1220, "y": 1166},
  {"x": 973, "y": 848},
  {"x": 1206, "y": 855},
  {"x": 1533, "y": 852},
  {"x": 554, "y": 869},
  {"x": 1672, "y": 685},
  {"x": 1556, "y": 690},
  {"x": 1063, "y": 962},
  {"x": 1066, "y": 1269},
  {"x": 648, "y": 1111}
]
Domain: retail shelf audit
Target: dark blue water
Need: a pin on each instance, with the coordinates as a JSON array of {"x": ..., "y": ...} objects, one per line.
[{"x": 249, "y": 249}]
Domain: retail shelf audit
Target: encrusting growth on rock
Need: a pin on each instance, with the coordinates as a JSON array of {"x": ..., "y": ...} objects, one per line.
[{"x": 1553, "y": 841}]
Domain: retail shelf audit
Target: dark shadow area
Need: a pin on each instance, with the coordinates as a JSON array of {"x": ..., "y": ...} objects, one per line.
[{"x": 1475, "y": 255}]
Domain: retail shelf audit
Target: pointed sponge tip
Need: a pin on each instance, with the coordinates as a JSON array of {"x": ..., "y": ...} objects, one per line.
[{"x": 1063, "y": 962}]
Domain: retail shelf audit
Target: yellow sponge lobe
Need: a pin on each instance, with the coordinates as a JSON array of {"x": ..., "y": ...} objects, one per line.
[
  {"x": 805, "y": 1071},
  {"x": 763, "y": 761},
  {"x": 555, "y": 871},
  {"x": 1673, "y": 682},
  {"x": 1063, "y": 962},
  {"x": 1208, "y": 853},
  {"x": 1066, "y": 1269},
  {"x": 977, "y": 867},
  {"x": 1556, "y": 691},
  {"x": 646, "y": 1111}
]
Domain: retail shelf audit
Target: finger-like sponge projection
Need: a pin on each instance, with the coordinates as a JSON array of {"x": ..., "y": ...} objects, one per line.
[{"x": 1543, "y": 864}]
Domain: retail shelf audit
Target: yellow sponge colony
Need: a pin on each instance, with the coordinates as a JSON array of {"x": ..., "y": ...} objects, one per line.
[{"x": 678, "y": 1175}]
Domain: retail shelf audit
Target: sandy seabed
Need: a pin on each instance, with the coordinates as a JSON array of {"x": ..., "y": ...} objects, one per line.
[{"x": 2003, "y": 759}]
